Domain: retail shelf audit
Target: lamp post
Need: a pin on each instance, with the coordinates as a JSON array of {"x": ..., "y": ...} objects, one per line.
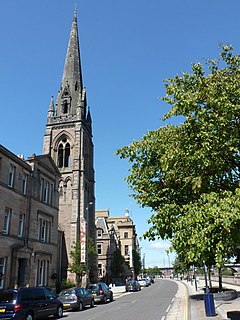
[
  {"x": 86, "y": 243},
  {"x": 143, "y": 263}
]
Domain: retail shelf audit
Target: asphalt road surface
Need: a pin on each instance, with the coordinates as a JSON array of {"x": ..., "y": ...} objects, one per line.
[{"x": 151, "y": 303}]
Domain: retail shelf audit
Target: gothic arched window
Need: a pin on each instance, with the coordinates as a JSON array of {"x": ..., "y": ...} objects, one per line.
[
  {"x": 60, "y": 156},
  {"x": 67, "y": 155},
  {"x": 64, "y": 154}
]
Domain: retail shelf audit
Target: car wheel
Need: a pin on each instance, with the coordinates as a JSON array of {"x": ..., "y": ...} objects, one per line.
[
  {"x": 80, "y": 307},
  {"x": 111, "y": 297},
  {"x": 92, "y": 303},
  {"x": 29, "y": 316},
  {"x": 59, "y": 312}
]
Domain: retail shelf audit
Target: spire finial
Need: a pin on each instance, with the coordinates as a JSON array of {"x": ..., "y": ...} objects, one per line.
[{"x": 75, "y": 13}]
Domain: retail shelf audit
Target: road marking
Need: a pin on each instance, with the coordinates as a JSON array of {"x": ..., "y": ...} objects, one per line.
[
  {"x": 116, "y": 308},
  {"x": 168, "y": 308},
  {"x": 133, "y": 301},
  {"x": 185, "y": 310},
  {"x": 163, "y": 318}
]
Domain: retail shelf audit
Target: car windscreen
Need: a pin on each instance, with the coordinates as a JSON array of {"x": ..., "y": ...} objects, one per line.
[
  {"x": 92, "y": 288},
  {"x": 7, "y": 296},
  {"x": 66, "y": 293}
]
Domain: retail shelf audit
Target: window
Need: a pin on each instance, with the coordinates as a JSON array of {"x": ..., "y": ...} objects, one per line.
[
  {"x": 24, "y": 183},
  {"x": 125, "y": 235},
  {"x": 6, "y": 220},
  {"x": 100, "y": 271},
  {"x": 99, "y": 233},
  {"x": 46, "y": 192},
  {"x": 2, "y": 271},
  {"x": 64, "y": 154},
  {"x": 126, "y": 249},
  {"x": 21, "y": 225},
  {"x": 11, "y": 175},
  {"x": 44, "y": 230},
  {"x": 42, "y": 273},
  {"x": 65, "y": 106},
  {"x": 99, "y": 249}
]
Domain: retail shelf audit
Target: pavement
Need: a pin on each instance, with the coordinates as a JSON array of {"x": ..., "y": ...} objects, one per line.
[
  {"x": 224, "y": 310},
  {"x": 188, "y": 303}
]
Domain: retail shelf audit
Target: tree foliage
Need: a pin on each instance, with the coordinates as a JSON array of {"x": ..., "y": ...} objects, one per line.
[
  {"x": 117, "y": 263},
  {"x": 188, "y": 174},
  {"x": 137, "y": 264},
  {"x": 76, "y": 266}
]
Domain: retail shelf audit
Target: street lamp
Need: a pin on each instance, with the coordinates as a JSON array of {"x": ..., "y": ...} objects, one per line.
[{"x": 86, "y": 243}]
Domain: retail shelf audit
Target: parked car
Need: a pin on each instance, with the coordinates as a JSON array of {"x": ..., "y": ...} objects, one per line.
[
  {"x": 150, "y": 278},
  {"x": 132, "y": 285},
  {"x": 143, "y": 282},
  {"x": 76, "y": 299},
  {"x": 100, "y": 292},
  {"x": 29, "y": 304}
]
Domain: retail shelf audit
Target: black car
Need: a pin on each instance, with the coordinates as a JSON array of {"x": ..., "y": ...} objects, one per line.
[
  {"x": 100, "y": 292},
  {"x": 29, "y": 304},
  {"x": 132, "y": 285},
  {"x": 76, "y": 299}
]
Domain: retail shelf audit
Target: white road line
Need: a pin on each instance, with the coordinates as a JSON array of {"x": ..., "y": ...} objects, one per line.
[
  {"x": 168, "y": 308},
  {"x": 163, "y": 318},
  {"x": 133, "y": 301},
  {"x": 116, "y": 308}
]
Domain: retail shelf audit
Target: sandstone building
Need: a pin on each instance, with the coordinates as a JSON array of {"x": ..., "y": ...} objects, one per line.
[
  {"x": 28, "y": 220},
  {"x": 115, "y": 232}
]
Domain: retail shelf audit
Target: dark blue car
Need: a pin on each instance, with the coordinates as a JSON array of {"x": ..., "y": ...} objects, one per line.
[{"x": 29, "y": 304}]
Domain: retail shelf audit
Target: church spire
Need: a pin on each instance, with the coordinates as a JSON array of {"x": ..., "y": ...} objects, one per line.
[
  {"x": 72, "y": 68},
  {"x": 71, "y": 85}
]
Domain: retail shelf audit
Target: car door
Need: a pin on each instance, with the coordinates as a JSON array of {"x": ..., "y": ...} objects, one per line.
[
  {"x": 51, "y": 303},
  {"x": 40, "y": 303},
  {"x": 87, "y": 296}
]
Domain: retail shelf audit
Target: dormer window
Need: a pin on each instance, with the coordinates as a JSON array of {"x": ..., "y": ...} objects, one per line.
[{"x": 65, "y": 106}]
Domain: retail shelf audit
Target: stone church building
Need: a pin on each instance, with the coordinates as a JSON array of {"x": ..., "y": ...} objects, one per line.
[
  {"x": 68, "y": 139},
  {"x": 47, "y": 203}
]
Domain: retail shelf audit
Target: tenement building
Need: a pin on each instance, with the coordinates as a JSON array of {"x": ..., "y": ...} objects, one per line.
[
  {"x": 28, "y": 220},
  {"x": 68, "y": 139},
  {"x": 115, "y": 232}
]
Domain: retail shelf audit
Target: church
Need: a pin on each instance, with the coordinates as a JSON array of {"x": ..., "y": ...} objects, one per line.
[
  {"x": 68, "y": 139},
  {"x": 54, "y": 211}
]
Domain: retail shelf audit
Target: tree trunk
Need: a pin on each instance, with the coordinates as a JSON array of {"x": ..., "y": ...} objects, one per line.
[
  {"x": 220, "y": 278},
  {"x": 209, "y": 278}
]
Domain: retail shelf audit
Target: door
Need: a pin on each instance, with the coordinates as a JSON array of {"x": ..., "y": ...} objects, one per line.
[{"x": 22, "y": 272}]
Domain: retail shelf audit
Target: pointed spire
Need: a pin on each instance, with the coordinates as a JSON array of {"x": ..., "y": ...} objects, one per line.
[
  {"x": 51, "y": 108},
  {"x": 72, "y": 68},
  {"x": 72, "y": 73},
  {"x": 89, "y": 118}
]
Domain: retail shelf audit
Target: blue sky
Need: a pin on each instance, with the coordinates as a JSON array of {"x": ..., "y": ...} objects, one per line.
[{"x": 128, "y": 48}]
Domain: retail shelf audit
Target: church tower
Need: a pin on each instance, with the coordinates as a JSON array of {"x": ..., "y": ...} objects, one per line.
[{"x": 68, "y": 139}]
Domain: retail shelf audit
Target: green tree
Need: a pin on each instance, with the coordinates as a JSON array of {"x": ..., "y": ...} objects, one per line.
[
  {"x": 189, "y": 174},
  {"x": 154, "y": 271},
  {"x": 137, "y": 264},
  {"x": 117, "y": 263},
  {"x": 92, "y": 257},
  {"x": 76, "y": 266}
]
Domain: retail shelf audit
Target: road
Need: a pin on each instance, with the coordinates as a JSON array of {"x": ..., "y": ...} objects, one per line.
[{"x": 150, "y": 303}]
